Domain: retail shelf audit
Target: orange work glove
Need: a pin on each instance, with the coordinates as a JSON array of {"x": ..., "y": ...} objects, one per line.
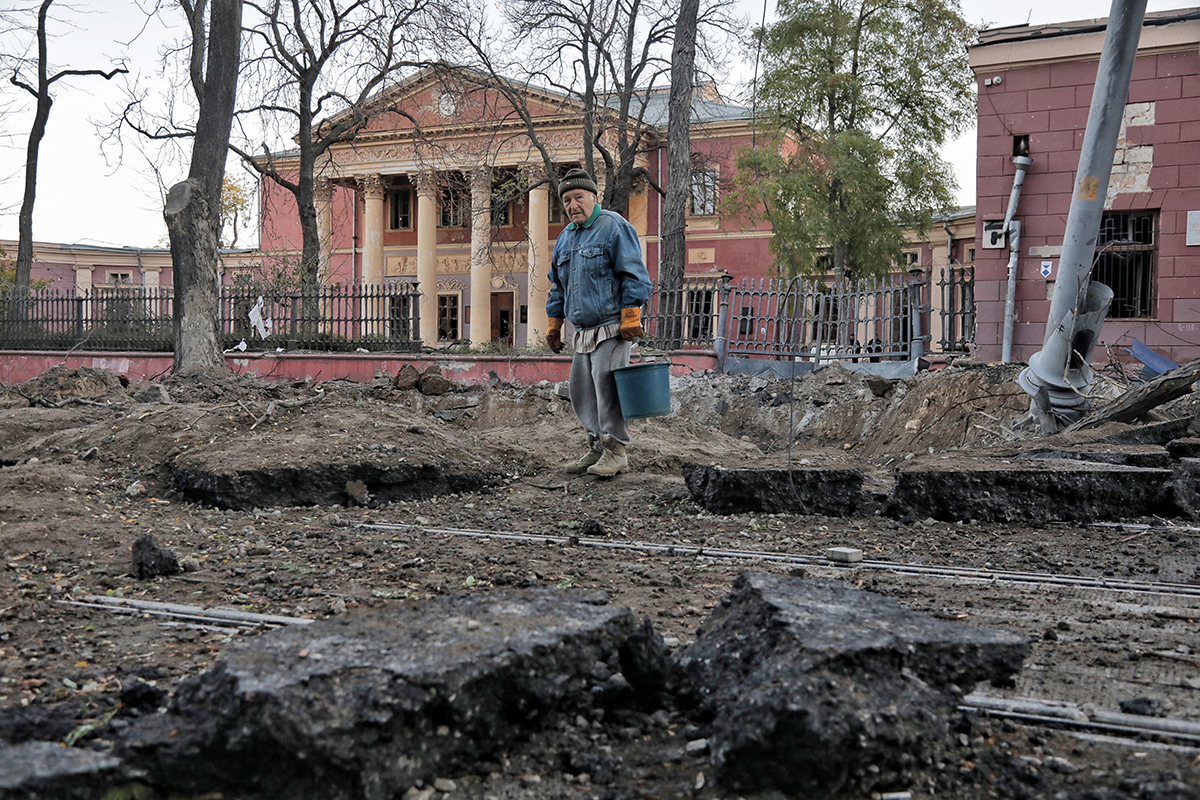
[
  {"x": 554, "y": 334},
  {"x": 631, "y": 324}
]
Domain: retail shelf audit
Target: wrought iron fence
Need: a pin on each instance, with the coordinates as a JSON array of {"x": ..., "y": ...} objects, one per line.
[
  {"x": 104, "y": 318},
  {"x": 958, "y": 308},
  {"x": 863, "y": 320},
  {"x": 867, "y": 319},
  {"x": 382, "y": 317},
  {"x": 376, "y": 317}
]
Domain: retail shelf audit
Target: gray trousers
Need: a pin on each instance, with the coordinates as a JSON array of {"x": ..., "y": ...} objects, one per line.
[{"x": 594, "y": 390}]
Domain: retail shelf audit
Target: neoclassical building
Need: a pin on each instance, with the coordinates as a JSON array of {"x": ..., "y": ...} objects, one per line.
[{"x": 447, "y": 188}]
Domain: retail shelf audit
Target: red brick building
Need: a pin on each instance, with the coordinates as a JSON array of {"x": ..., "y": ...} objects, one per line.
[{"x": 1035, "y": 88}]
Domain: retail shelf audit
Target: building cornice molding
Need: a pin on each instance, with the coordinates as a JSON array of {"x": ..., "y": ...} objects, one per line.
[{"x": 1157, "y": 39}]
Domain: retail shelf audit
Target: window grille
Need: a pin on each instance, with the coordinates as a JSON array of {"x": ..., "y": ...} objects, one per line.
[{"x": 1127, "y": 260}]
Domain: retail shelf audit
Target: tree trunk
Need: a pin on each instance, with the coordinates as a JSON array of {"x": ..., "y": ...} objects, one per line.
[
  {"x": 197, "y": 280},
  {"x": 192, "y": 211},
  {"x": 24, "y": 264},
  {"x": 25, "y": 218},
  {"x": 679, "y": 172}
]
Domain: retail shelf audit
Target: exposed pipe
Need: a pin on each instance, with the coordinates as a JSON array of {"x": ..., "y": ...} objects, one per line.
[
  {"x": 1059, "y": 375},
  {"x": 1013, "y": 229}
]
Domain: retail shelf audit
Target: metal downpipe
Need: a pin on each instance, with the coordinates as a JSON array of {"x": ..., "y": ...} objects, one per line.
[
  {"x": 1013, "y": 229},
  {"x": 1058, "y": 376}
]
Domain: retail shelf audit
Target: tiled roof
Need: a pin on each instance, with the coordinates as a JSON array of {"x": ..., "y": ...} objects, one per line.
[{"x": 703, "y": 110}]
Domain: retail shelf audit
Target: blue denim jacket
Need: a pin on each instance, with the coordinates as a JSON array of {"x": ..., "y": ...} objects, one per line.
[{"x": 596, "y": 271}]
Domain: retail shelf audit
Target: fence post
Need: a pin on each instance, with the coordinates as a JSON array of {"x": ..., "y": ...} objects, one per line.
[
  {"x": 721, "y": 342},
  {"x": 79, "y": 303},
  {"x": 916, "y": 348},
  {"x": 414, "y": 304}
]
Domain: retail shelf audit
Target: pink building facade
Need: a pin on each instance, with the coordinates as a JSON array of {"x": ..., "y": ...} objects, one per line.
[
  {"x": 1035, "y": 88},
  {"x": 400, "y": 203}
]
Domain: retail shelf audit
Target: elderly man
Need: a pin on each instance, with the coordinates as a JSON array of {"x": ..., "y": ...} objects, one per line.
[{"x": 598, "y": 281}]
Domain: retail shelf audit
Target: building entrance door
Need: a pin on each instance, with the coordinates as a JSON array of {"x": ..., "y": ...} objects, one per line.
[{"x": 503, "y": 327}]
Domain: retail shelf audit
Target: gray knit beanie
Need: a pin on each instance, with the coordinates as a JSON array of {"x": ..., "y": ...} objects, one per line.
[{"x": 576, "y": 179}]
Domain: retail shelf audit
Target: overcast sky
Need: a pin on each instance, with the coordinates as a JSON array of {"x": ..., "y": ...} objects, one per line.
[{"x": 83, "y": 199}]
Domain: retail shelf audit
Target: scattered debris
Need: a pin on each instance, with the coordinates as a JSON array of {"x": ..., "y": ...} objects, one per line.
[{"x": 150, "y": 560}]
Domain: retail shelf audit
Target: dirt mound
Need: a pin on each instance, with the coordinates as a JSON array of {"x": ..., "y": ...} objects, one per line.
[
  {"x": 219, "y": 385},
  {"x": 873, "y": 416},
  {"x": 59, "y": 384}
]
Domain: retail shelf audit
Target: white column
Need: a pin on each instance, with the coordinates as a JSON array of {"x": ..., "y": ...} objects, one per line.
[
  {"x": 323, "y": 198},
  {"x": 427, "y": 254},
  {"x": 481, "y": 255},
  {"x": 372, "y": 256},
  {"x": 539, "y": 257}
]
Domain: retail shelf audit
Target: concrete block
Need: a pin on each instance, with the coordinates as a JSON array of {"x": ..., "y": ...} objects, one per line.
[{"x": 844, "y": 555}]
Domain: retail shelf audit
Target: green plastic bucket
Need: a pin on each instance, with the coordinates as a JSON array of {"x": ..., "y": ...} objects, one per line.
[{"x": 644, "y": 389}]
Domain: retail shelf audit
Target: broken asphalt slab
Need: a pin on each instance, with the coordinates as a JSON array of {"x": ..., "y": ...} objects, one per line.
[
  {"x": 810, "y": 490},
  {"x": 819, "y": 689},
  {"x": 1033, "y": 491},
  {"x": 49, "y": 771},
  {"x": 370, "y": 704},
  {"x": 1035, "y": 487},
  {"x": 347, "y": 484}
]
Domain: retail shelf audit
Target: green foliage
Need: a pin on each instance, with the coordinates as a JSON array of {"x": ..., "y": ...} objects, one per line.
[
  {"x": 863, "y": 95},
  {"x": 8, "y": 273}
]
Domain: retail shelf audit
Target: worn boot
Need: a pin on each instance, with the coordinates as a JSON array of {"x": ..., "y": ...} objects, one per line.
[
  {"x": 612, "y": 460},
  {"x": 591, "y": 457}
]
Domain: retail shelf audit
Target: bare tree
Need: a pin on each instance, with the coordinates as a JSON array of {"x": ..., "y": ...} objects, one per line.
[
  {"x": 193, "y": 207},
  {"x": 39, "y": 88},
  {"x": 610, "y": 56},
  {"x": 315, "y": 69}
]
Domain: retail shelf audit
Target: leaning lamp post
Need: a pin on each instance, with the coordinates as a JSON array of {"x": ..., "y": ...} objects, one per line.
[{"x": 1059, "y": 375}]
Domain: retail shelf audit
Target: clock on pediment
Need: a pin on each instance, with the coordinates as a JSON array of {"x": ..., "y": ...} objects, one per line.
[{"x": 447, "y": 104}]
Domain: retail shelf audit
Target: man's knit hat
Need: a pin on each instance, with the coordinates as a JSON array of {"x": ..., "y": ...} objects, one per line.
[{"x": 576, "y": 179}]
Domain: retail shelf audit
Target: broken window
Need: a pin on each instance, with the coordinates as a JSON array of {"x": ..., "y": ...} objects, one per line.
[
  {"x": 401, "y": 210},
  {"x": 704, "y": 192},
  {"x": 1126, "y": 261},
  {"x": 447, "y": 317}
]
